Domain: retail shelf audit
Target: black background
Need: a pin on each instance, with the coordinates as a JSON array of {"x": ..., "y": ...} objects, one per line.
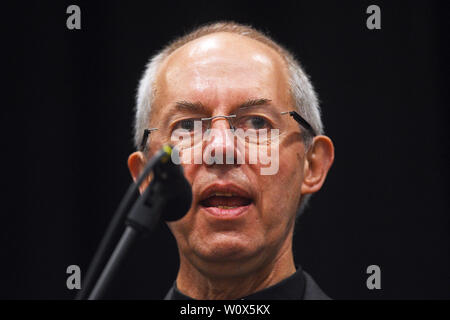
[{"x": 67, "y": 111}]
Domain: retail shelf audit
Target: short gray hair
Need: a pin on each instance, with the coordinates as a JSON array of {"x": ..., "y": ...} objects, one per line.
[{"x": 302, "y": 91}]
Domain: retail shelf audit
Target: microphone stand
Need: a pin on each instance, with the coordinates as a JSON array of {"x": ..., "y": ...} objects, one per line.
[{"x": 128, "y": 237}]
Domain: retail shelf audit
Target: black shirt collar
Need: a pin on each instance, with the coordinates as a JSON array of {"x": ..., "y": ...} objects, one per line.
[{"x": 291, "y": 288}]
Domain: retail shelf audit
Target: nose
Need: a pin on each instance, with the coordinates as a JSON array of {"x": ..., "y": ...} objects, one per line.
[{"x": 220, "y": 143}]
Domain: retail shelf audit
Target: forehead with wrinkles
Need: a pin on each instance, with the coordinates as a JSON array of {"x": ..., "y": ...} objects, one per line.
[{"x": 219, "y": 70}]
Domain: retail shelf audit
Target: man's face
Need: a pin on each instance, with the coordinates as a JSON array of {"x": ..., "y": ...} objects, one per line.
[{"x": 222, "y": 71}]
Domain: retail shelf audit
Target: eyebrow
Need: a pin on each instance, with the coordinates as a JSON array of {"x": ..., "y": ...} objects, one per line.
[
  {"x": 199, "y": 107},
  {"x": 254, "y": 102},
  {"x": 190, "y": 106}
]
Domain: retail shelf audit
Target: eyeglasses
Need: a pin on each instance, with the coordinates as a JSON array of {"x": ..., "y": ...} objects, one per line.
[{"x": 250, "y": 125}]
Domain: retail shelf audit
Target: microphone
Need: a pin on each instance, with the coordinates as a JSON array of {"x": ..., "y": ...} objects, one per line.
[{"x": 168, "y": 196}]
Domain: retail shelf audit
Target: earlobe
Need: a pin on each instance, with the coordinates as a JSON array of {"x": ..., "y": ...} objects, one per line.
[{"x": 318, "y": 161}]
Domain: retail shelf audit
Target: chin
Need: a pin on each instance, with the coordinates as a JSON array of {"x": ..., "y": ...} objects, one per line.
[{"x": 225, "y": 247}]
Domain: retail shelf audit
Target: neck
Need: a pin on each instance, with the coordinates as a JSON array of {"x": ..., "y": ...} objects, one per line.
[{"x": 202, "y": 285}]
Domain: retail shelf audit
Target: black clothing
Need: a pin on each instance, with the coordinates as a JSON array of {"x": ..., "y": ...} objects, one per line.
[{"x": 299, "y": 286}]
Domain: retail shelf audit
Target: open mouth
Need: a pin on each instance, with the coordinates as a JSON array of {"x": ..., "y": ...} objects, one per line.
[{"x": 225, "y": 201}]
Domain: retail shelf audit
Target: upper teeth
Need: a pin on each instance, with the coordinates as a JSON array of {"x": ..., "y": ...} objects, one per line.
[{"x": 223, "y": 194}]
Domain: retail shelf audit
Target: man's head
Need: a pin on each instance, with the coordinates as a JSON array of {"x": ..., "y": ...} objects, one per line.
[{"x": 240, "y": 219}]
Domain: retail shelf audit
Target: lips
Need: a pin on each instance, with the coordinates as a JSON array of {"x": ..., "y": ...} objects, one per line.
[{"x": 225, "y": 200}]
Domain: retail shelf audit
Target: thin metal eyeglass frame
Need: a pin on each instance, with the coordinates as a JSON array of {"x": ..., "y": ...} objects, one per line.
[{"x": 294, "y": 114}]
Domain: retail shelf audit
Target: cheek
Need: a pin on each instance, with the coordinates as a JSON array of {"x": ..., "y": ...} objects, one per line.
[
  {"x": 280, "y": 194},
  {"x": 189, "y": 171},
  {"x": 182, "y": 229}
]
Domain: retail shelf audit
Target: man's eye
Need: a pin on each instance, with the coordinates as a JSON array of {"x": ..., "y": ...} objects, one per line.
[
  {"x": 256, "y": 123},
  {"x": 185, "y": 124}
]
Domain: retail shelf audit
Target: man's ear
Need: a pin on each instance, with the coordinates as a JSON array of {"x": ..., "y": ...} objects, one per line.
[
  {"x": 318, "y": 161},
  {"x": 136, "y": 163}
]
